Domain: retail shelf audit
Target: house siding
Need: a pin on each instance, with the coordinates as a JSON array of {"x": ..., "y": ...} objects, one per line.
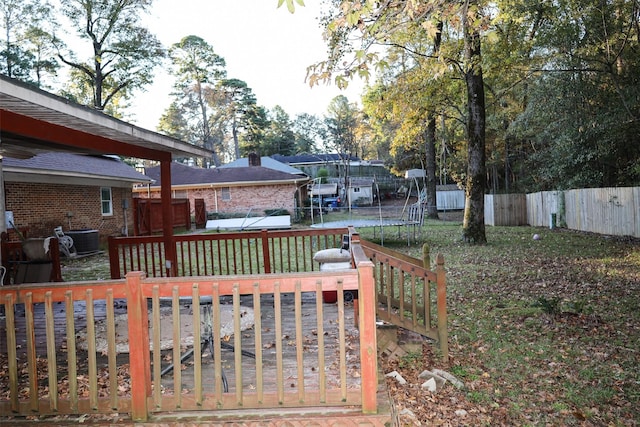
[
  {"x": 42, "y": 207},
  {"x": 256, "y": 199}
]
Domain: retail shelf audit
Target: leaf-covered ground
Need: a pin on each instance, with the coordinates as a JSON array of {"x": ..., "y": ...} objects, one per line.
[{"x": 542, "y": 332}]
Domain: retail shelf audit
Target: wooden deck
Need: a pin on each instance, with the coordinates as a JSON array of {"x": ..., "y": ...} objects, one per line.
[
  {"x": 300, "y": 356},
  {"x": 290, "y": 367}
]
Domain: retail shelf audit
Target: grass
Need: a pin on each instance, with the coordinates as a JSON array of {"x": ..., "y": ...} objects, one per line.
[{"x": 542, "y": 332}]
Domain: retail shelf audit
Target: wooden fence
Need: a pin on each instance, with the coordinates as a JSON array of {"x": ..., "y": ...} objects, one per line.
[
  {"x": 147, "y": 215},
  {"x": 63, "y": 393},
  {"x": 505, "y": 209},
  {"x": 611, "y": 211}
]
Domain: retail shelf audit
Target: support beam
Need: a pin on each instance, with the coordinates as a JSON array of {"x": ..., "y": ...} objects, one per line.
[{"x": 167, "y": 216}]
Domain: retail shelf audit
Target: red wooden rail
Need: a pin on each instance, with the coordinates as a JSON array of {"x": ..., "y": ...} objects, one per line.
[
  {"x": 403, "y": 290},
  {"x": 137, "y": 290},
  {"x": 251, "y": 252}
]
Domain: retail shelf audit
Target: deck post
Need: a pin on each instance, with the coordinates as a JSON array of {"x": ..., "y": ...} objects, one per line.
[
  {"x": 442, "y": 307},
  {"x": 266, "y": 256},
  {"x": 170, "y": 253},
  {"x": 114, "y": 259},
  {"x": 139, "y": 358},
  {"x": 367, "y": 326}
]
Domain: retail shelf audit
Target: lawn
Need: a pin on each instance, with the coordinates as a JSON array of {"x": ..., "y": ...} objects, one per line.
[{"x": 542, "y": 332}]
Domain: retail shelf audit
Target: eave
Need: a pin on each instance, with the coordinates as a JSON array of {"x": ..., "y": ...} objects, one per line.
[
  {"x": 204, "y": 186},
  {"x": 33, "y": 121}
]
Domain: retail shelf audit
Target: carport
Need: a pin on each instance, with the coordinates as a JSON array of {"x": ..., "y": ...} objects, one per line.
[{"x": 33, "y": 121}]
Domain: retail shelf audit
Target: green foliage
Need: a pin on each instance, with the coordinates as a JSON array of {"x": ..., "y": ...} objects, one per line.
[
  {"x": 323, "y": 174},
  {"x": 341, "y": 123},
  {"x": 124, "y": 54},
  {"x": 279, "y": 137},
  {"x": 310, "y": 133},
  {"x": 560, "y": 78},
  {"x": 26, "y": 52},
  {"x": 290, "y": 4},
  {"x": 198, "y": 71}
]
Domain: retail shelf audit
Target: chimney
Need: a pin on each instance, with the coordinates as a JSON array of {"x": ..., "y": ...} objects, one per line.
[{"x": 254, "y": 159}]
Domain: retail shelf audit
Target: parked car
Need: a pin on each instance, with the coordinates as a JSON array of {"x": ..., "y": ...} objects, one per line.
[{"x": 329, "y": 203}]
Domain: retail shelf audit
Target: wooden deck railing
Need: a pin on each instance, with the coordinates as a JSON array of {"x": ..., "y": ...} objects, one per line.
[
  {"x": 223, "y": 253},
  {"x": 305, "y": 358},
  {"x": 407, "y": 291},
  {"x": 299, "y": 352}
]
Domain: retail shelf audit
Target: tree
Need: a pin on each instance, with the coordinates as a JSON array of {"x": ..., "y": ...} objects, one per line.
[
  {"x": 240, "y": 106},
  {"x": 198, "y": 70},
  {"x": 374, "y": 23},
  {"x": 26, "y": 52},
  {"x": 279, "y": 137},
  {"x": 341, "y": 124},
  {"x": 257, "y": 122},
  {"x": 123, "y": 53},
  {"x": 582, "y": 118},
  {"x": 473, "y": 229},
  {"x": 410, "y": 97},
  {"x": 309, "y": 133}
]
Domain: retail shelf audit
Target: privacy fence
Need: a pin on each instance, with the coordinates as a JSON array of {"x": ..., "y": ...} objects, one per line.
[{"x": 612, "y": 211}]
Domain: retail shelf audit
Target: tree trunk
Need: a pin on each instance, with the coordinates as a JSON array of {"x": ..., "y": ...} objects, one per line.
[
  {"x": 473, "y": 230},
  {"x": 430, "y": 148},
  {"x": 430, "y": 145}
]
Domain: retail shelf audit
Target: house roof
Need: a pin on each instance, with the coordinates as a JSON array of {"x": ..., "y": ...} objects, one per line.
[
  {"x": 302, "y": 159},
  {"x": 183, "y": 175},
  {"x": 34, "y": 121},
  {"x": 46, "y": 167},
  {"x": 266, "y": 162}
]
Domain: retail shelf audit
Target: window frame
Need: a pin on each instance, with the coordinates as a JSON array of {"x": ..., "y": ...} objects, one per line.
[
  {"x": 225, "y": 194},
  {"x": 109, "y": 201}
]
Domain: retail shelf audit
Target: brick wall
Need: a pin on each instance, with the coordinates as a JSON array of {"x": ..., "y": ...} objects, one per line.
[
  {"x": 254, "y": 198},
  {"x": 42, "y": 207}
]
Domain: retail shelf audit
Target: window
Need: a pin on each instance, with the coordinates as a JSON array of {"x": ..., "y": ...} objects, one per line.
[
  {"x": 226, "y": 193},
  {"x": 106, "y": 201}
]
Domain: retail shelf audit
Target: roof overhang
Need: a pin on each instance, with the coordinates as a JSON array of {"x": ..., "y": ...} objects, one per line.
[
  {"x": 33, "y": 121},
  {"x": 215, "y": 185},
  {"x": 12, "y": 174}
]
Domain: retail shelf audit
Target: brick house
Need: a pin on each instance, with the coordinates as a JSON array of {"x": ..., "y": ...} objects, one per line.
[
  {"x": 234, "y": 190},
  {"x": 74, "y": 191}
]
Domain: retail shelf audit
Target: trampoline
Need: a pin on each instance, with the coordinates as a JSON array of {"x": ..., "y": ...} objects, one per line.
[{"x": 414, "y": 213}]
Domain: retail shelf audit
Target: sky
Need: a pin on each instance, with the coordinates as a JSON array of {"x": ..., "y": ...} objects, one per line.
[{"x": 265, "y": 46}]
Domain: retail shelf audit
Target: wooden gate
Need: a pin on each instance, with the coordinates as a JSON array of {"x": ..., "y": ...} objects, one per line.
[{"x": 148, "y": 215}]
